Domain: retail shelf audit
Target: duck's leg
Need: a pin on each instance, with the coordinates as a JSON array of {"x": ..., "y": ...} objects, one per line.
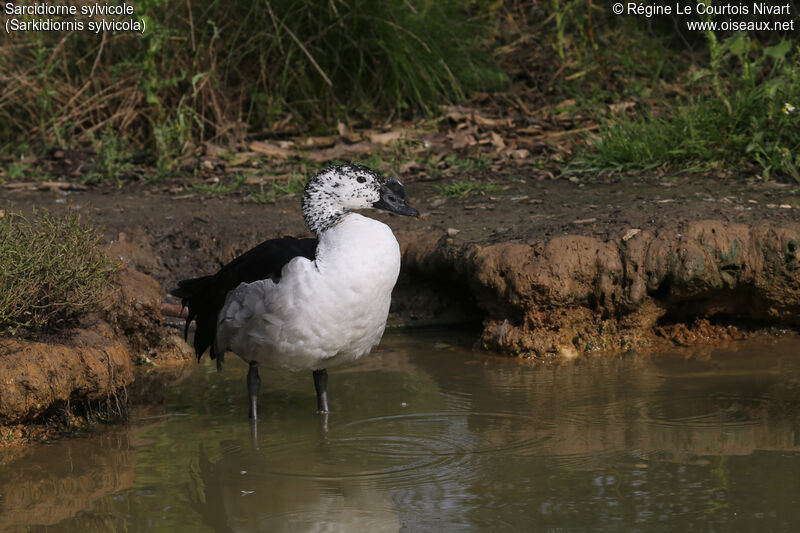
[
  {"x": 321, "y": 386},
  {"x": 253, "y": 384}
]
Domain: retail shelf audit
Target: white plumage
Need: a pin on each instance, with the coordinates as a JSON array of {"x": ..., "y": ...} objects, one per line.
[
  {"x": 306, "y": 304},
  {"x": 323, "y": 312}
]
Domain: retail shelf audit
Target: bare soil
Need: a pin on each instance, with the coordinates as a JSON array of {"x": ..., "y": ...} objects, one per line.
[
  {"x": 547, "y": 266},
  {"x": 57, "y": 378}
]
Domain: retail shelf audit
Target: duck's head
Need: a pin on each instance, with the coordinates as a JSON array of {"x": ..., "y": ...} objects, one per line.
[{"x": 340, "y": 189}]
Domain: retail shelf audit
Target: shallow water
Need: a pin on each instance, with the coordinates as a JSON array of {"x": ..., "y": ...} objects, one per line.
[{"x": 425, "y": 435}]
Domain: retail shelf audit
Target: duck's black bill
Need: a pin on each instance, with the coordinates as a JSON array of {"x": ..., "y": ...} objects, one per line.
[{"x": 393, "y": 199}]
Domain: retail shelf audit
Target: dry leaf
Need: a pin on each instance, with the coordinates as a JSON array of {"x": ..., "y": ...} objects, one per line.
[
  {"x": 385, "y": 138},
  {"x": 497, "y": 141},
  {"x": 462, "y": 139},
  {"x": 341, "y": 151},
  {"x": 214, "y": 151},
  {"x": 269, "y": 149},
  {"x": 319, "y": 142},
  {"x": 622, "y": 106},
  {"x": 630, "y": 234},
  {"x": 241, "y": 158},
  {"x": 486, "y": 121},
  {"x": 409, "y": 166},
  {"x": 519, "y": 154}
]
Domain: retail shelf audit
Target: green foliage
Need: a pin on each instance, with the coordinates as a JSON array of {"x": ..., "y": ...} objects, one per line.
[
  {"x": 113, "y": 157},
  {"x": 15, "y": 171},
  {"x": 222, "y": 69},
  {"x": 172, "y": 136},
  {"x": 51, "y": 270},
  {"x": 597, "y": 56},
  {"x": 294, "y": 185},
  {"x": 220, "y": 187},
  {"x": 468, "y": 163},
  {"x": 746, "y": 121},
  {"x": 465, "y": 188}
]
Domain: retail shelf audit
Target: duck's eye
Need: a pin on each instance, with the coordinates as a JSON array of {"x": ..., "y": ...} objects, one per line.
[{"x": 361, "y": 179}]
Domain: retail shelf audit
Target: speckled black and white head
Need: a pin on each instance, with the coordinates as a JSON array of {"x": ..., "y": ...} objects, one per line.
[{"x": 338, "y": 190}]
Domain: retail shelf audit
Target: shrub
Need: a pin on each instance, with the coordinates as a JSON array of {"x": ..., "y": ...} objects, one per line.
[
  {"x": 220, "y": 68},
  {"x": 51, "y": 270},
  {"x": 753, "y": 121}
]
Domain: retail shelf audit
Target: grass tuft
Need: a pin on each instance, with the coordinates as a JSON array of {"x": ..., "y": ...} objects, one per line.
[
  {"x": 465, "y": 188},
  {"x": 219, "y": 70},
  {"x": 219, "y": 188},
  {"x": 113, "y": 158},
  {"x": 294, "y": 185},
  {"x": 752, "y": 124},
  {"x": 51, "y": 270}
]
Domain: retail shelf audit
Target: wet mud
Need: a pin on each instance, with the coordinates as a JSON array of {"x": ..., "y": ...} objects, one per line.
[
  {"x": 90, "y": 364},
  {"x": 546, "y": 268}
]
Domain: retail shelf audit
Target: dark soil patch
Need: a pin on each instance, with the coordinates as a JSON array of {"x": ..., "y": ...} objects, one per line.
[{"x": 479, "y": 257}]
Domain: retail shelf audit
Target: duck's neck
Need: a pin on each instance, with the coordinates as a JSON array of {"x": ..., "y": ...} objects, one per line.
[{"x": 321, "y": 209}]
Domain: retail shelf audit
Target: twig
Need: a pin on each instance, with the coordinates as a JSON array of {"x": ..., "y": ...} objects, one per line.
[
  {"x": 99, "y": 53},
  {"x": 191, "y": 24},
  {"x": 305, "y": 51}
]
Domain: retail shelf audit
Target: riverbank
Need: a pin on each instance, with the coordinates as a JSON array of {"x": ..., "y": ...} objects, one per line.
[
  {"x": 546, "y": 268},
  {"x": 649, "y": 256}
]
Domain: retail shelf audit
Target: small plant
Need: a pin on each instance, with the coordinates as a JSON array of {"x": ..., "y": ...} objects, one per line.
[
  {"x": 753, "y": 122},
  {"x": 15, "y": 171},
  {"x": 51, "y": 270},
  {"x": 171, "y": 138},
  {"x": 219, "y": 188},
  {"x": 468, "y": 163},
  {"x": 113, "y": 158},
  {"x": 465, "y": 188},
  {"x": 294, "y": 185}
]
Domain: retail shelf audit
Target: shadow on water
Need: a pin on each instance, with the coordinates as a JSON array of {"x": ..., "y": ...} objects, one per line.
[{"x": 427, "y": 436}]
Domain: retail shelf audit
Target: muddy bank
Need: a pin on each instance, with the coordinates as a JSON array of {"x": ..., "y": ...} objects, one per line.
[
  {"x": 547, "y": 267},
  {"x": 90, "y": 364},
  {"x": 574, "y": 294}
]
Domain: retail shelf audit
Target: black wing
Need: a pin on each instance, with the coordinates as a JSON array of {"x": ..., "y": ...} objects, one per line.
[{"x": 205, "y": 296}]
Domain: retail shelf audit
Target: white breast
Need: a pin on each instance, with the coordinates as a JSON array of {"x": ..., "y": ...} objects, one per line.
[{"x": 322, "y": 312}]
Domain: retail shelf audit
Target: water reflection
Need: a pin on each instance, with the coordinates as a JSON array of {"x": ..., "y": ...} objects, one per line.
[
  {"x": 240, "y": 491},
  {"x": 427, "y": 436},
  {"x": 55, "y": 483}
]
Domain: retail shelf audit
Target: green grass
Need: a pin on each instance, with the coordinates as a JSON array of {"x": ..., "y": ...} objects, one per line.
[
  {"x": 294, "y": 185},
  {"x": 51, "y": 270},
  {"x": 220, "y": 70},
  {"x": 113, "y": 157},
  {"x": 466, "y": 188},
  {"x": 15, "y": 171},
  {"x": 748, "y": 126},
  {"x": 220, "y": 188},
  {"x": 468, "y": 163}
]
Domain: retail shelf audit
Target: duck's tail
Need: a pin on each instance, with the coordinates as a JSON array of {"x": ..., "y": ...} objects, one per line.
[{"x": 200, "y": 296}]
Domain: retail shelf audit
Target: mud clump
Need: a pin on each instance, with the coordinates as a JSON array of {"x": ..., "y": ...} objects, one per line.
[
  {"x": 574, "y": 294},
  {"x": 91, "y": 362},
  {"x": 701, "y": 331}
]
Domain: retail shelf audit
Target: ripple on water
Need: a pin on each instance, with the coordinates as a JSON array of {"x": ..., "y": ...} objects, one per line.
[
  {"x": 702, "y": 411},
  {"x": 409, "y": 448}
]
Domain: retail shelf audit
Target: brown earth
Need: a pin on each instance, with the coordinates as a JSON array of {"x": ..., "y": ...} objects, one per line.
[
  {"x": 90, "y": 364},
  {"x": 548, "y": 266}
]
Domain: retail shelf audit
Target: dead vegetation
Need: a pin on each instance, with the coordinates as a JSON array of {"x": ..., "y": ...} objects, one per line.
[{"x": 52, "y": 270}]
